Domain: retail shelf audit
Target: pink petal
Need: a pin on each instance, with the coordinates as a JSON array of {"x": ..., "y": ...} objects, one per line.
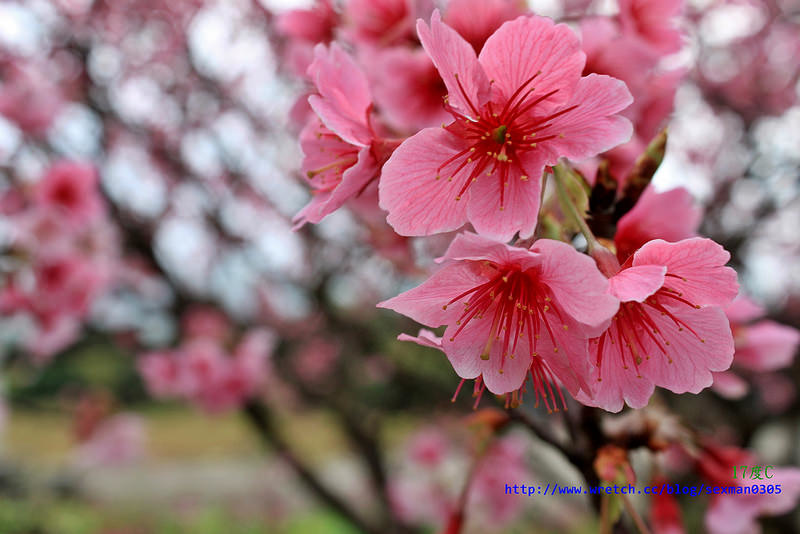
[
  {"x": 425, "y": 338},
  {"x": 730, "y": 385},
  {"x": 577, "y": 285},
  {"x": 476, "y": 20},
  {"x": 344, "y": 99},
  {"x": 470, "y": 246},
  {"x": 786, "y": 500},
  {"x": 456, "y": 62},
  {"x": 695, "y": 268},
  {"x": 692, "y": 360},
  {"x": 520, "y": 209},
  {"x": 521, "y": 48},
  {"x": 501, "y": 375},
  {"x": 653, "y": 21},
  {"x": 767, "y": 346},
  {"x": 671, "y": 216},
  {"x": 732, "y": 514},
  {"x": 637, "y": 283},
  {"x": 618, "y": 385},
  {"x": 418, "y": 203},
  {"x": 743, "y": 310},
  {"x": 425, "y": 302},
  {"x": 408, "y": 89},
  {"x": 592, "y": 127},
  {"x": 354, "y": 180},
  {"x": 464, "y": 350}
]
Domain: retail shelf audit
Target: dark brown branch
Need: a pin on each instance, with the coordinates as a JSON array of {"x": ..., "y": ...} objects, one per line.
[{"x": 261, "y": 419}]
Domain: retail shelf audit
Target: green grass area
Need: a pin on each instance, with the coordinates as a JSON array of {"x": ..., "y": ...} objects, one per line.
[
  {"x": 44, "y": 438},
  {"x": 73, "y": 517}
]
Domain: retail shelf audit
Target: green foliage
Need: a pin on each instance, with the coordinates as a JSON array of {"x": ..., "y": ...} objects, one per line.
[
  {"x": 76, "y": 517},
  {"x": 90, "y": 364}
]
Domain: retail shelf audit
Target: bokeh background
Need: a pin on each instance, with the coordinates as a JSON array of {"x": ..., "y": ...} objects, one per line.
[{"x": 179, "y": 114}]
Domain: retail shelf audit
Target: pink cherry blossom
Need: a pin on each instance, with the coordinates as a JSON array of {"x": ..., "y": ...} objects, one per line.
[
  {"x": 70, "y": 188},
  {"x": 670, "y": 330},
  {"x": 161, "y": 372},
  {"x": 517, "y": 108},
  {"x": 511, "y": 312},
  {"x": 381, "y": 22},
  {"x": 670, "y": 215},
  {"x": 205, "y": 322},
  {"x": 202, "y": 371},
  {"x": 304, "y": 29},
  {"x": 654, "y": 22},
  {"x": 313, "y": 25},
  {"x": 118, "y": 440},
  {"x": 502, "y": 463},
  {"x": 762, "y": 346},
  {"x": 407, "y": 88},
  {"x": 342, "y": 152},
  {"x": 613, "y": 51},
  {"x": 29, "y": 97},
  {"x": 476, "y": 20},
  {"x": 53, "y": 334},
  {"x": 737, "y": 513}
]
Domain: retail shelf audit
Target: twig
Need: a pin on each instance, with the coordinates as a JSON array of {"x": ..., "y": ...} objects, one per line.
[{"x": 261, "y": 419}]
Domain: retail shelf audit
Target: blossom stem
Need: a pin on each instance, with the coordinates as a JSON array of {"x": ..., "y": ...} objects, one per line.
[{"x": 559, "y": 177}]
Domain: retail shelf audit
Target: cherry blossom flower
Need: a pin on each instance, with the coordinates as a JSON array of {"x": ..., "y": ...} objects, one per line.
[
  {"x": 476, "y": 20},
  {"x": 670, "y": 215},
  {"x": 70, "y": 188},
  {"x": 407, "y": 88},
  {"x": 762, "y": 346},
  {"x": 343, "y": 154},
  {"x": 615, "y": 48},
  {"x": 736, "y": 513},
  {"x": 517, "y": 108},
  {"x": 381, "y": 22},
  {"x": 653, "y": 22},
  {"x": 119, "y": 440},
  {"x": 511, "y": 312},
  {"x": 201, "y": 370},
  {"x": 670, "y": 330}
]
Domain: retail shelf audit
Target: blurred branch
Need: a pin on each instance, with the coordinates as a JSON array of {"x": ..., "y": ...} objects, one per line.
[{"x": 260, "y": 417}]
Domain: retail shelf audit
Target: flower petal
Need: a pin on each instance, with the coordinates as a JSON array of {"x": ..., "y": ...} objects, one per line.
[
  {"x": 418, "y": 203},
  {"x": 767, "y": 346},
  {"x": 353, "y": 181},
  {"x": 344, "y": 98},
  {"x": 456, "y": 62},
  {"x": 521, "y": 48},
  {"x": 695, "y": 268},
  {"x": 577, "y": 285},
  {"x": 671, "y": 216},
  {"x": 519, "y": 211},
  {"x": 688, "y": 363},
  {"x": 425, "y": 302},
  {"x": 637, "y": 283},
  {"x": 593, "y": 126}
]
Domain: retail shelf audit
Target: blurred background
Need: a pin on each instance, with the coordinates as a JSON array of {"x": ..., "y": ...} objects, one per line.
[{"x": 176, "y": 358}]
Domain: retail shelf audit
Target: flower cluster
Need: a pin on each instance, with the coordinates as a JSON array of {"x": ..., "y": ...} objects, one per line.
[
  {"x": 517, "y": 96},
  {"x": 62, "y": 253},
  {"x": 203, "y": 369}
]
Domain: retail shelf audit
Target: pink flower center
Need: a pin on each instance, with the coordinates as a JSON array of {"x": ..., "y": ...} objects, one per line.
[
  {"x": 65, "y": 194},
  {"x": 497, "y": 139},
  {"x": 633, "y": 324},
  {"x": 517, "y": 305}
]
